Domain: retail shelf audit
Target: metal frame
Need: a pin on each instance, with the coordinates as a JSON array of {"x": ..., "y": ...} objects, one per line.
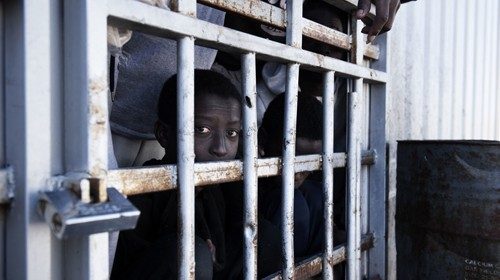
[
  {"x": 33, "y": 119},
  {"x": 86, "y": 124},
  {"x": 2, "y": 144},
  {"x": 274, "y": 16}
]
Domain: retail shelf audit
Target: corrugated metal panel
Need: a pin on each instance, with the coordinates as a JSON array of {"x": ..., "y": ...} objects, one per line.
[
  {"x": 444, "y": 70},
  {"x": 444, "y": 82}
]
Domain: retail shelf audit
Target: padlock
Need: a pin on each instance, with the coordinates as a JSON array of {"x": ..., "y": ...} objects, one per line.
[{"x": 68, "y": 215}]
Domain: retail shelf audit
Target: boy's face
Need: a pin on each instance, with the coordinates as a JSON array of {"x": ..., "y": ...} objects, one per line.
[{"x": 217, "y": 126}]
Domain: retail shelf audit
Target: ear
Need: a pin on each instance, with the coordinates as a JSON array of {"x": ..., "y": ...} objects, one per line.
[{"x": 162, "y": 134}]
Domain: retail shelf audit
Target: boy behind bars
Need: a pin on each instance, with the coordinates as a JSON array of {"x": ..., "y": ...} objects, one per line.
[
  {"x": 150, "y": 250},
  {"x": 308, "y": 194}
]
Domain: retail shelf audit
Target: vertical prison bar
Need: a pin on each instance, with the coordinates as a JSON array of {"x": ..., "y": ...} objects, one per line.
[
  {"x": 185, "y": 144},
  {"x": 293, "y": 38},
  {"x": 328, "y": 121},
  {"x": 377, "y": 173},
  {"x": 354, "y": 160},
  {"x": 354, "y": 185},
  {"x": 249, "y": 164},
  {"x": 185, "y": 156},
  {"x": 288, "y": 173}
]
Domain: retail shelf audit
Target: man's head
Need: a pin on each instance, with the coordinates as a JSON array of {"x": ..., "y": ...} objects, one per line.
[
  {"x": 309, "y": 129},
  {"x": 217, "y": 117}
]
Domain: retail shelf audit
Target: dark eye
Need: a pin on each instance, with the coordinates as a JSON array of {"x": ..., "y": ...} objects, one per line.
[
  {"x": 202, "y": 130},
  {"x": 233, "y": 133}
]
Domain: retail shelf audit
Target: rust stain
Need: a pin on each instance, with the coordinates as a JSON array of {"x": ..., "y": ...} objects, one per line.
[
  {"x": 313, "y": 266},
  {"x": 276, "y": 17},
  {"x": 98, "y": 85},
  {"x": 159, "y": 178}
]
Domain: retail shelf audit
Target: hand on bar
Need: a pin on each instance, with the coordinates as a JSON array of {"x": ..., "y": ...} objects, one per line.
[{"x": 385, "y": 13}]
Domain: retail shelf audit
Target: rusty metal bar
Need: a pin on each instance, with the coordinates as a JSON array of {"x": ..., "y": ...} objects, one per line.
[
  {"x": 159, "y": 178},
  {"x": 328, "y": 123},
  {"x": 275, "y": 16},
  {"x": 313, "y": 266},
  {"x": 139, "y": 16},
  {"x": 250, "y": 155},
  {"x": 354, "y": 187},
  {"x": 130, "y": 181}
]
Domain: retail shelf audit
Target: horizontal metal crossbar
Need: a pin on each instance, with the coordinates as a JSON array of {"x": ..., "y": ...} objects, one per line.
[
  {"x": 313, "y": 266},
  {"x": 138, "y": 180},
  {"x": 276, "y": 17},
  {"x": 139, "y": 16}
]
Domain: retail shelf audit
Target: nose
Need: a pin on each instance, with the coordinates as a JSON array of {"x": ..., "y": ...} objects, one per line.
[{"x": 218, "y": 147}]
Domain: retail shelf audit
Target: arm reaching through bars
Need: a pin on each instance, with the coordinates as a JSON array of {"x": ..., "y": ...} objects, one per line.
[{"x": 385, "y": 14}]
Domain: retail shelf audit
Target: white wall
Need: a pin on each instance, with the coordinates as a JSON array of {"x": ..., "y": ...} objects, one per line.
[
  {"x": 444, "y": 61},
  {"x": 444, "y": 70}
]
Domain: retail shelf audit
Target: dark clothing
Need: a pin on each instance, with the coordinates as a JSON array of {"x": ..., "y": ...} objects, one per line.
[
  {"x": 157, "y": 260},
  {"x": 308, "y": 214},
  {"x": 269, "y": 241},
  {"x": 153, "y": 241}
]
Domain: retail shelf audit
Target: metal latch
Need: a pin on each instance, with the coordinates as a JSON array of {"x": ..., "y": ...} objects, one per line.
[{"x": 70, "y": 210}]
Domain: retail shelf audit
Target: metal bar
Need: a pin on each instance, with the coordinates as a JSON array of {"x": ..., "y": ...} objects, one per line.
[
  {"x": 185, "y": 146},
  {"x": 313, "y": 266},
  {"x": 86, "y": 122},
  {"x": 288, "y": 173},
  {"x": 336, "y": 38},
  {"x": 275, "y": 16},
  {"x": 159, "y": 178},
  {"x": 328, "y": 123},
  {"x": 185, "y": 155},
  {"x": 377, "y": 172},
  {"x": 32, "y": 117},
  {"x": 132, "y": 181},
  {"x": 294, "y": 39},
  {"x": 160, "y": 22},
  {"x": 354, "y": 169},
  {"x": 2, "y": 97},
  {"x": 250, "y": 155},
  {"x": 365, "y": 114},
  {"x": 2, "y": 140}
]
